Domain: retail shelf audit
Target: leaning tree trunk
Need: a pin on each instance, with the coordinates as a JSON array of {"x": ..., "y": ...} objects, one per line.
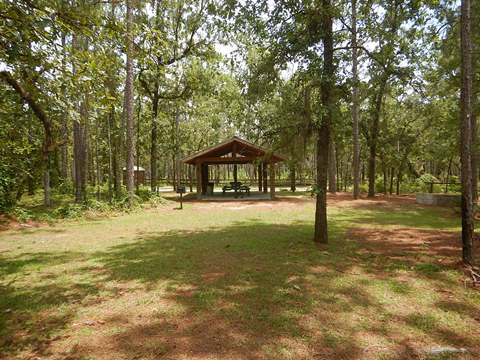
[
  {"x": 321, "y": 231},
  {"x": 465, "y": 134},
  {"x": 48, "y": 143},
  {"x": 128, "y": 103}
]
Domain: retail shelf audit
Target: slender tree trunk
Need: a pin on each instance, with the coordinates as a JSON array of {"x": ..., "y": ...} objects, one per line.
[
  {"x": 97, "y": 163},
  {"x": 128, "y": 103},
  {"x": 392, "y": 175},
  {"x": 363, "y": 173},
  {"x": 293, "y": 177},
  {"x": 465, "y": 131},
  {"x": 137, "y": 173},
  {"x": 80, "y": 136},
  {"x": 449, "y": 171},
  {"x": 64, "y": 129},
  {"x": 190, "y": 177},
  {"x": 110, "y": 155},
  {"x": 30, "y": 185},
  {"x": 355, "y": 106},
  {"x": 177, "y": 150},
  {"x": 46, "y": 180},
  {"x": 115, "y": 130},
  {"x": 153, "y": 145},
  {"x": 323, "y": 141},
  {"x": 399, "y": 179},
  {"x": 116, "y": 161},
  {"x": 385, "y": 176}
]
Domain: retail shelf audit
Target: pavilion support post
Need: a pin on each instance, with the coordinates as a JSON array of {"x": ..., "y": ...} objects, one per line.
[
  {"x": 260, "y": 177},
  {"x": 235, "y": 177},
  {"x": 198, "y": 173},
  {"x": 190, "y": 178},
  {"x": 204, "y": 178},
  {"x": 272, "y": 181},
  {"x": 265, "y": 177}
]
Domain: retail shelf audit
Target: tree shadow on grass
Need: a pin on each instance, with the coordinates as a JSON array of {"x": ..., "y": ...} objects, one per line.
[
  {"x": 242, "y": 290},
  {"x": 249, "y": 290},
  {"x": 32, "y": 313},
  {"x": 28, "y": 261}
]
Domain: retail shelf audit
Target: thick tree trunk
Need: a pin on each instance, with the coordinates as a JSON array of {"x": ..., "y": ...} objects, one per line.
[
  {"x": 80, "y": 153},
  {"x": 46, "y": 180},
  {"x": 474, "y": 156},
  {"x": 323, "y": 141},
  {"x": 355, "y": 106},
  {"x": 321, "y": 231},
  {"x": 374, "y": 137},
  {"x": 465, "y": 131},
  {"x": 128, "y": 103},
  {"x": 332, "y": 167}
]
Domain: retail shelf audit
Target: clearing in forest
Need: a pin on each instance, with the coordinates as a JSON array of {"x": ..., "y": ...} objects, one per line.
[{"x": 240, "y": 280}]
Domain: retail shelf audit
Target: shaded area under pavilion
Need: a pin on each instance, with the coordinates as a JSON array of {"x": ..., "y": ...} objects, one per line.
[{"x": 236, "y": 151}]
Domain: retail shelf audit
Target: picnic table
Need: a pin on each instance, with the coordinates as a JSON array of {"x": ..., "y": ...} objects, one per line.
[{"x": 237, "y": 187}]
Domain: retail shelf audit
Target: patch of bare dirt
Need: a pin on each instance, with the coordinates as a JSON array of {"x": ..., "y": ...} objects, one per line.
[
  {"x": 8, "y": 222},
  {"x": 410, "y": 244},
  {"x": 336, "y": 200},
  {"x": 346, "y": 200},
  {"x": 279, "y": 202}
]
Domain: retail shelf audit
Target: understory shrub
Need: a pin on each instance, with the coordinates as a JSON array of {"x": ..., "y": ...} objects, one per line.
[
  {"x": 68, "y": 211},
  {"x": 422, "y": 183},
  {"x": 22, "y": 214},
  {"x": 8, "y": 183}
]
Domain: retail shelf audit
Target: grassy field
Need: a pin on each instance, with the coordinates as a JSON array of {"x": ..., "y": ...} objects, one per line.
[{"x": 240, "y": 280}]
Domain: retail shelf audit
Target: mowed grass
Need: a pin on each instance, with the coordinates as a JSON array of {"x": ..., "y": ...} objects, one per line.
[{"x": 239, "y": 281}]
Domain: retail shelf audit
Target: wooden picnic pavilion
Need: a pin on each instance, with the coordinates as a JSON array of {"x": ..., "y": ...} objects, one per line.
[{"x": 235, "y": 151}]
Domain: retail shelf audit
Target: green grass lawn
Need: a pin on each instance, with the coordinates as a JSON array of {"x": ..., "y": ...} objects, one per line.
[{"x": 239, "y": 281}]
